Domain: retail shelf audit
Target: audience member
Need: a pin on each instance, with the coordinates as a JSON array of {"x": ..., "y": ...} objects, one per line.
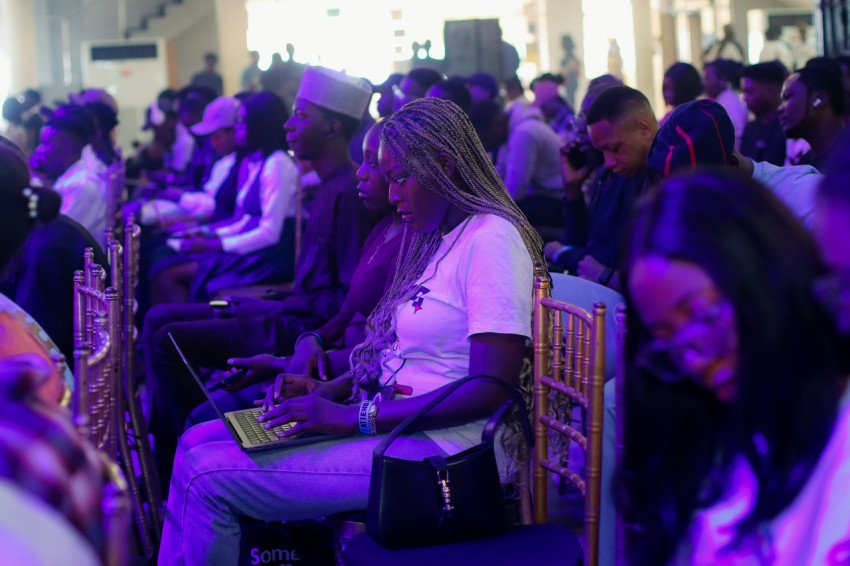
[
  {"x": 371, "y": 279},
  {"x": 159, "y": 153},
  {"x": 209, "y": 77},
  {"x": 514, "y": 94},
  {"x": 682, "y": 84},
  {"x": 736, "y": 394},
  {"x": 386, "y": 96},
  {"x": 216, "y": 200},
  {"x": 46, "y": 457},
  {"x": 528, "y": 162},
  {"x": 832, "y": 233},
  {"x": 16, "y": 133},
  {"x": 482, "y": 86},
  {"x": 256, "y": 245},
  {"x": 700, "y": 134},
  {"x": 775, "y": 49},
  {"x": 727, "y": 48},
  {"x": 325, "y": 115},
  {"x": 467, "y": 231},
  {"x": 621, "y": 125},
  {"x": 559, "y": 115},
  {"x": 721, "y": 79},
  {"x": 454, "y": 90},
  {"x": 39, "y": 252},
  {"x": 763, "y": 138},
  {"x": 414, "y": 85},
  {"x": 58, "y": 158},
  {"x": 252, "y": 74},
  {"x": 813, "y": 109},
  {"x": 571, "y": 69}
]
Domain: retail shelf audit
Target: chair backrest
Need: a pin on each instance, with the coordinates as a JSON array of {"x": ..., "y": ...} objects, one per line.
[
  {"x": 96, "y": 349},
  {"x": 584, "y": 294},
  {"x": 620, "y": 536},
  {"x": 569, "y": 363}
]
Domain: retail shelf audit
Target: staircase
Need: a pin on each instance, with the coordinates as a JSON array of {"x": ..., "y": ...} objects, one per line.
[{"x": 164, "y": 18}]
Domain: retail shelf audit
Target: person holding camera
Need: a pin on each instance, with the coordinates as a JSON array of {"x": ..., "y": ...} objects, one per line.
[{"x": 620, "y": 125}]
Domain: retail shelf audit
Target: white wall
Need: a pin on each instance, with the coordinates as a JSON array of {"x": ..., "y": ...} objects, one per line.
[{"x": 191, "y": 45}]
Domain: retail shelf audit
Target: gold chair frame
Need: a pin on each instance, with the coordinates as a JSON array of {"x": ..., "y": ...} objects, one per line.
[
  {"x": 132, "y": 432},
  {"x": 96, "y": 406},
  {"x": 620, "y": 377},
  {"x": 569, "y": 360}
]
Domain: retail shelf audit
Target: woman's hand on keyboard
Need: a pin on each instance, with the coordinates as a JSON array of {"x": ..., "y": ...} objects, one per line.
[
  {"x": 312, "y": 413},
  {"x": 289, "y": 386}
]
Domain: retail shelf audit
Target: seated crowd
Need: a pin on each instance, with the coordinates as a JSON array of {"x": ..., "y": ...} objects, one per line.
[{"x": 394, "y": 257}]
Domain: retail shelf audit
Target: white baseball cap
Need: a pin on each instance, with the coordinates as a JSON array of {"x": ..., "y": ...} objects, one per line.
[{"x": 220, "y": 113}]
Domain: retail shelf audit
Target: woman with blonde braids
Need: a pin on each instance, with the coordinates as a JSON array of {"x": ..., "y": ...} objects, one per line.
[{"x": 460, "y": 304}]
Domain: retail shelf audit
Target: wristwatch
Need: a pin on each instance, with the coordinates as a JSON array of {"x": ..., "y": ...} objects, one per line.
[{"x": 606, "y": 275}]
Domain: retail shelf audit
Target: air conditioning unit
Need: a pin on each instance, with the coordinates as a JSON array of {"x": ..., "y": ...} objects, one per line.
[{"x": 133, "y": 72}]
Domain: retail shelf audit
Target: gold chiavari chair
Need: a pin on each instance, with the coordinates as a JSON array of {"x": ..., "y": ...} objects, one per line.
[
  {"x": 539, "y": 542},
  {"x": 569, "y": 370},
  {"x": 134, "y": 452},
  {"x": 96, "y": 337},
  {"x": 620, "y": 377},
  {"x": 97, "y": 394}
]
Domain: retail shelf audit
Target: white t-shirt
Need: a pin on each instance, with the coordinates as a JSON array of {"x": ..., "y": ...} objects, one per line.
[
  {"x": 83, "y": 199},
  {"x": 814, "y": 529},
  {"x": 737, "y": 110},
  {"x": 483, "y": 284}
]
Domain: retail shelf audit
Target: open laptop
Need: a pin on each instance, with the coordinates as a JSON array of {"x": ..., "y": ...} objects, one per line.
[{"x": 243, "y": 425}]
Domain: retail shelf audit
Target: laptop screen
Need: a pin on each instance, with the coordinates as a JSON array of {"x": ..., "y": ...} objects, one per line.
[{"x": 197, "y": 378}]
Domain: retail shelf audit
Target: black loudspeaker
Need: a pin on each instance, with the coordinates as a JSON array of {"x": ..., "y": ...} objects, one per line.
[{"x": 473, "y": 46}]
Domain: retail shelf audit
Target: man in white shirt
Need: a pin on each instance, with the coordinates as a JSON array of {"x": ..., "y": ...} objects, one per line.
[
  {"x": 775, "y": 49},
  {"x": 718, "y": 77},
  {"x": 58, "y": 158}
]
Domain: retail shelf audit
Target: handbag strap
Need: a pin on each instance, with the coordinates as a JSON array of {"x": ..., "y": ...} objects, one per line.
[{"x": 489, "y": 429}]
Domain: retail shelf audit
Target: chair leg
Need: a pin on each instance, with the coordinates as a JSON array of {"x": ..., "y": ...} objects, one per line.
[
  {"x": 135, "y": 492},
  {"x": 150, "y": 477}
]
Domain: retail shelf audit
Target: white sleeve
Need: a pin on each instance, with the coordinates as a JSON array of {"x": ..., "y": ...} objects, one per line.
[
  {"x": 202, "y": 203},
  {"x": 278, "y": 180},
  {"x": 796, "y": 186},
  {"x": 521, "y": 161},
  {"x": 499, "y": 283},
  {"x": 84, "y": 202}
]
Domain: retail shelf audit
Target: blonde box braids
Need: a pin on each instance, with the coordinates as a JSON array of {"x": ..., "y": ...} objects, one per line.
[{"x": 416, "y": 135}]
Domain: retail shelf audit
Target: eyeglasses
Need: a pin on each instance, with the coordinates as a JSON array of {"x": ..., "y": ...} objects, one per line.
[{"x": 704, "y": 338}]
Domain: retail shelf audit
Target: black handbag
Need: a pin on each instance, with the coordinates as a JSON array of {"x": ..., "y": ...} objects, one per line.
[{"x": 439, "y": 500}]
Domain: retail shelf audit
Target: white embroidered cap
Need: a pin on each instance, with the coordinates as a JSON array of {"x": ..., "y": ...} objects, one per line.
[
  {"x": 220, "y": 113},
  {"x": 335, "y": 91}
]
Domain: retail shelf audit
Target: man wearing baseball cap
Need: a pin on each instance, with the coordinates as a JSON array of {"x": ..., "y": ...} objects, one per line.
[
  {"x": 700, "y": 133},
  {"x": 217, "y": 200}
]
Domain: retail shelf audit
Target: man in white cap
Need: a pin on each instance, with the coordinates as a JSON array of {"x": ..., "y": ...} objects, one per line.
[
  {"x": 325, "y": 114},
  {"x": 216, "y": 200}
]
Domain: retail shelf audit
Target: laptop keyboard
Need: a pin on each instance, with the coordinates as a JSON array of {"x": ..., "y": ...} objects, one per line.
[{"x": 254, "y": 430}]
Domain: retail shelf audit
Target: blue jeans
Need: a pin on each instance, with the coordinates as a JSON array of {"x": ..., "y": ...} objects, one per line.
[{"x": 214, "y": 483}]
